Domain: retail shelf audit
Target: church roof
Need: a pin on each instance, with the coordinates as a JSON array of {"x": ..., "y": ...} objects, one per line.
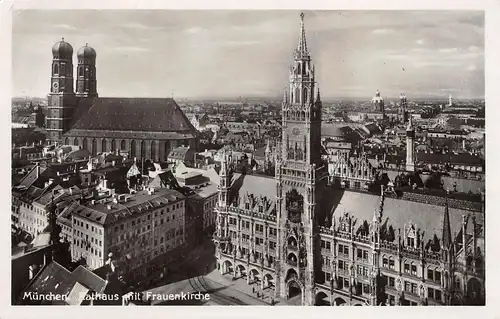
[
  {"x": 427, "y": 217},
  {"x": 134, "y": 114}
]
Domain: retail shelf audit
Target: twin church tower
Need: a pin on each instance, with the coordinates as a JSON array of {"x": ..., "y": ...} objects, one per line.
[{"x": 63, "y": 100}]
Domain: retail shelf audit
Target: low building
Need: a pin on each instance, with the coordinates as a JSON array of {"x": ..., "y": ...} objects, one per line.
[
  {"x": 182, "y": 154},
  {"x": 135, "y": 228}
]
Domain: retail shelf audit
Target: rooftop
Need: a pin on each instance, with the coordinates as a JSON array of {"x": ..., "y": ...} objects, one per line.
[
  {"x": 134, "y": 114},
  {"x": 108, "y": 213}
]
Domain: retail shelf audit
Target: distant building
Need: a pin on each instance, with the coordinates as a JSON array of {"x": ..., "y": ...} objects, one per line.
[{"x": 182, "y": 154}]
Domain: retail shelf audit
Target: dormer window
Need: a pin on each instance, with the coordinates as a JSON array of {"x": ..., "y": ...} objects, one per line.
[
  {"x": 247, "y": 206},
  {"x": 261, "y": 209}
]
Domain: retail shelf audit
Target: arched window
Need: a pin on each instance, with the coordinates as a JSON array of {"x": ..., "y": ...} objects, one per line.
[
  {"x": 56, "y": 69},
  {"x": 80, "y": 71},
  {"x": 122, "y": 145},
  {"x": 166, "y": 149},
  {"x": 297, "y": 95},
  {"x": 94, "y": 147},
  {"x": 303, "y": 69},
  {"x": 143, "y": 150},
  {"x": 75, "y": 142},
  {"x": 113, "y": 145},
  {"x": 132, "y": 149},
  {"x": 84, "y": 143},
  {"x": 66, "y": 141},
  {"x": 306, "y": 95},
  {"x": 153, "y": 151},
  {"x": 104, "y": 145}
]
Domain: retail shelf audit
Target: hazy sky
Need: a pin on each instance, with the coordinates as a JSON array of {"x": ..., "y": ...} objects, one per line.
[{"x": 204, "y": 54}]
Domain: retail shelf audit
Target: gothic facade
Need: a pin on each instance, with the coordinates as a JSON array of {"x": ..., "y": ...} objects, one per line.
[
  {"x": 305, "y": 239},
  {"x": 147, "y": 128}
]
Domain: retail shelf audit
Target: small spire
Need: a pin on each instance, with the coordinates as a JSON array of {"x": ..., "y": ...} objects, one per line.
[
  {"x": 318, "y": 97},
  {"x": 62, "y": 39},
  {"x": 446, "y": 225},
  {"x": 302, "y": 49}
]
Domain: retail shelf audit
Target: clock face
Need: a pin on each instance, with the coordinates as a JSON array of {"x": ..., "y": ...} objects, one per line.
[
  {"x": 296, "y": 131},
  {"x": 55, "y": 85}
]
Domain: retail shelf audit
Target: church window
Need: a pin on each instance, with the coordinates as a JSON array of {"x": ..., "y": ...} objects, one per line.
[
  {"x": 63, "y": 68},
  {"x": 104, "y": 145},
  {"x": 143, "y": 150},
  {"x": 306, "y": 96},
  {"x": 66, "y": 141},
  {"x": 113, "y": 145},
  {"x": 133, "y": 149},
  {"x": 122, "y": 145},
  {"x": 297, "y": 95},
  {"x": 80, "y": 71},
  {"x": 56, "y": 69},
  {"x": 75, "y": 142},
  {"x": 153, "y": 150},
  {"x": 94, "y": 147}
]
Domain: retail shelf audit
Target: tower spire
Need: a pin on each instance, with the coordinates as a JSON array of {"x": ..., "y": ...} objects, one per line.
[
  {"x": 446, "y": 226},
  {"x": 318, "y": 97},
  {"x": 302, "y": 49}
]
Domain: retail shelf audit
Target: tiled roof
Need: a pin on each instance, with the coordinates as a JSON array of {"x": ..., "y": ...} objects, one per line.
[
  {"x": 454, "y": 159},
  {"x": 261, "y": 189},
  {"x": 57, "y": 280},
  {"x": 429, "y": 218},
  {"x": 54, "y": 278},
  {"x": 88, "y": 279},
  {"x": 134, "y": 114},
  {"x": 137, "y": 205}
]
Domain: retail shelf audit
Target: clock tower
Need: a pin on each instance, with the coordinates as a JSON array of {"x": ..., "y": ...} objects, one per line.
[
  {"x": 300, "y": 176},
  {"x": 62, "y": 96}
]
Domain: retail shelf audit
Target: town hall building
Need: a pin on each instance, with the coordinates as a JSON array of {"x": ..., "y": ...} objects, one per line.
[{"x": 304, "y": 239}]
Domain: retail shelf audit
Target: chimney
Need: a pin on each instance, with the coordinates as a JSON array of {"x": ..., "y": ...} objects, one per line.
[
  {"x": 109, "y": 207},
  {"x": 92, "y": 202}
]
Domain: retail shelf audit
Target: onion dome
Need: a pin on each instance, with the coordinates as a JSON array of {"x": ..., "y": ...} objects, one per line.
[
  {"x": 62, "y": 49},
  {"x": 86, "y": 52}
]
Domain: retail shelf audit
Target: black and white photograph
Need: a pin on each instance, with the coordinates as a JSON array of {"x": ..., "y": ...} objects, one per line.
[{"x": 248, "y": 157}]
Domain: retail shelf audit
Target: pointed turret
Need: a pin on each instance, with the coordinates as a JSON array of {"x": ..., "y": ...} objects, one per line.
[
  {"x": 446, "y": 240},
  {"x": 302, "y": 48},
  {"x": 318, "y": 97}
]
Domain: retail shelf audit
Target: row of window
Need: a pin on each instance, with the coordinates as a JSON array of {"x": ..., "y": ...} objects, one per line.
[
  {"x": 258, "y": 227},
  {"x": 147, "y": 218},
  {"x": 87, "y": 226}
]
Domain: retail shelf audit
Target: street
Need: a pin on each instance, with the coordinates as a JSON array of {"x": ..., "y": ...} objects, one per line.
[{"x": 197, "y": 274}]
